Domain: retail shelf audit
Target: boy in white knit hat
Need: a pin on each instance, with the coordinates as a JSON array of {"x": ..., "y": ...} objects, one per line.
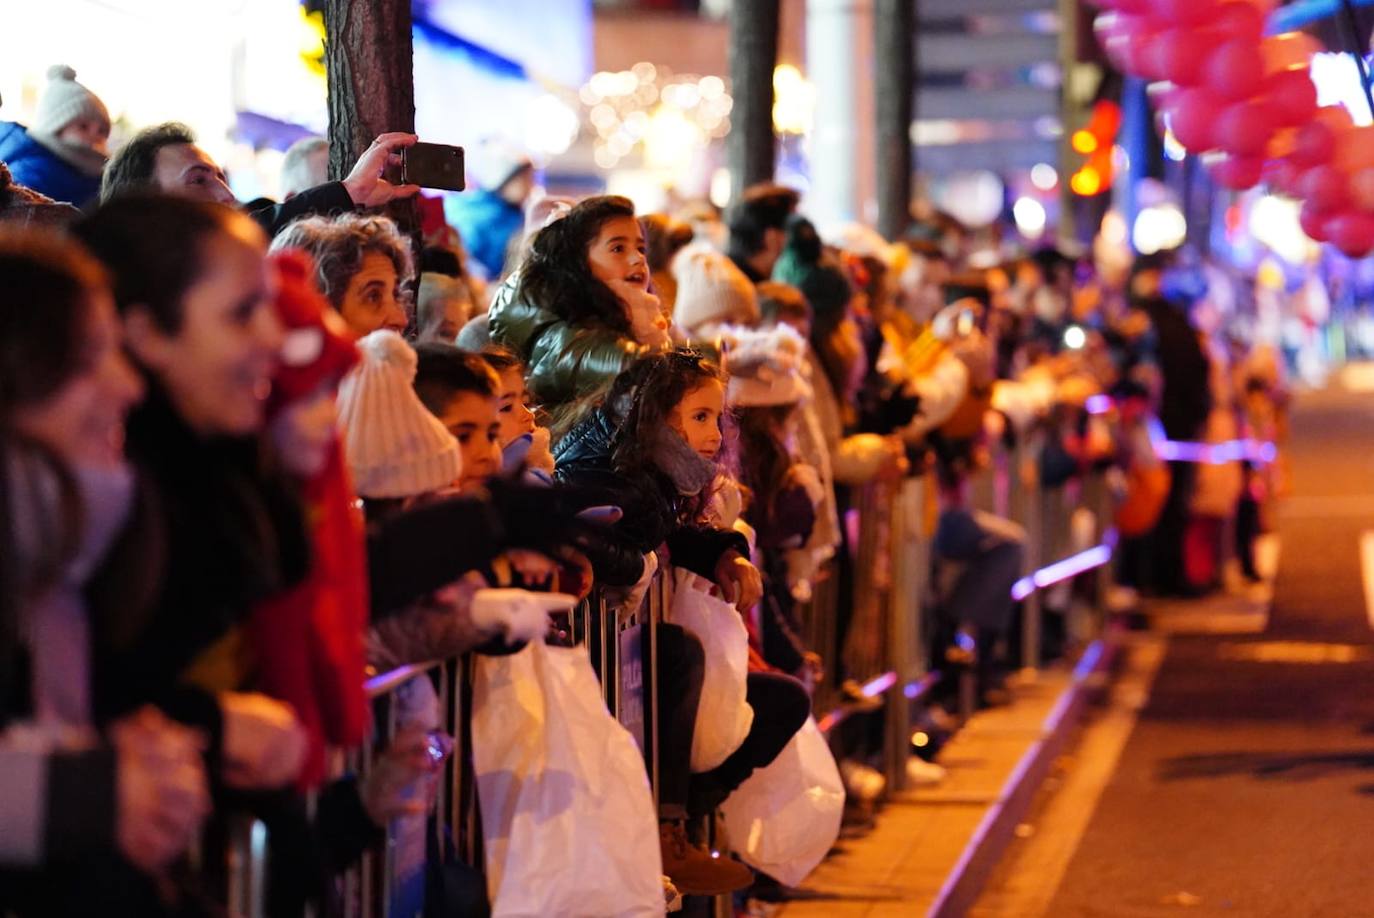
[{"x": 62, "y": 153}]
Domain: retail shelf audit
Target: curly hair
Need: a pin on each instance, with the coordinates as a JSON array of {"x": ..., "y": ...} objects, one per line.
[
  {"x": 557, "y": 276},
  {"x": 338, "y": 245},
  {"x": 641, "y": 400}
]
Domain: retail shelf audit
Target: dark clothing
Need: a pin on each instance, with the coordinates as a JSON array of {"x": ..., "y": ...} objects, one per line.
[
  {"x": 741, "y": 259},
  {"x": 1186, "y": 400},
  {"x": 781, "y": 706},
  {"x": 652, "y": 510},
  {"x": 680, "y": 670},
  {"x": 327, "y": 200},
  {"x": 234, "y": 534},
  {"x": 991, "y": 551}
]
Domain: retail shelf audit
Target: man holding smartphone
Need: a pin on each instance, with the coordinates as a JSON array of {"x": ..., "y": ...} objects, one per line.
[{"x": 165, "y": 158}]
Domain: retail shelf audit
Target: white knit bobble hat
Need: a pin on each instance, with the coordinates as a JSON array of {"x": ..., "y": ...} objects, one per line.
[
  {"x": 394, "y": 446},
  {"x": 65, "y": 100},
  {"x": 766, "y": 367},
  {"x": 711, "y": 289}
]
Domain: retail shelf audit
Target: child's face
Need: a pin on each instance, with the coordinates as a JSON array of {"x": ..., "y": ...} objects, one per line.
[
  {"x": 471, "y": 418},
  {"x": 697, "y": 418},
  {"x": 512, "y": 407},
  {"x": 616, "y": 256}
]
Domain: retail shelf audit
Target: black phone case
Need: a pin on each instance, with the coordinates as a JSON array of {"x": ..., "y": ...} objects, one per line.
[{"x": 433, "y": 165}]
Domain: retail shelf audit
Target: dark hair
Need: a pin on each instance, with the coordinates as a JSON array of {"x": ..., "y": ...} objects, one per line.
[
  {"x": 760, "y": 208},
  {"x": 501, "y": 358},
  {"x": 46, "y": 286},
  {"x": 969, "y": 285},
  {"x": 556, "y": 276},
  {"x": 443, "y": 371},
  {"x": 131, "y": 168},
  {"x": 152, "y": 246},
  {"x": 665, "y": 237},
  {"x": 764, "y": 459},
  {"x": 437, "y": 259},
  {"x": 778, "y": 301},
  {"x": 641, "y": 400}
]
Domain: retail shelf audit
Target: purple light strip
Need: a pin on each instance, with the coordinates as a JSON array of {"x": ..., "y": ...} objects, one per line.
[
  {"x": 1071, "y": 566},
  {"x": 1210, "y": 453}
]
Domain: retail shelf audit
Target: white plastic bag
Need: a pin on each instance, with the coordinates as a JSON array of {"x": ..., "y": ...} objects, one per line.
[
  {"x": 785, "y": 818},
  {"x": 567, "y": 815},
  {"x": 723, "y": 715}
]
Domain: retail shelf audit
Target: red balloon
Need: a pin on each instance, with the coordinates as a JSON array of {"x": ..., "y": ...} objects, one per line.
[
  {"x": 1235, "y": 69},
  {"x": 1178, "y": 54},
  {"x": 1313, "y": 223},
  {"x": 1239, "y": 20},
  {"x": 1245, "y": 127},
  {"x": 1186, "y": 12},
  {"x": 1352, "y": 233},
  {"x": 1294, "y": 95},
  {"x": 1325, "y": 188},
  {"x": 1237, "y": 172},
  {"x": 1140, "y": 37},
  {"x": 1289, "y": 51},
  {"x": 1193, "y": 116},
  {"x": 1316, "y": 144}
]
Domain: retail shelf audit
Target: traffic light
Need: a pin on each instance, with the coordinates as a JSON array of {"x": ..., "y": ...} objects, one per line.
[{"x": 1095, "y": 143}]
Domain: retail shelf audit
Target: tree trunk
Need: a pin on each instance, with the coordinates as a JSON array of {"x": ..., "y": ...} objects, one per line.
[
  {"x": 369, "y": 62},
  {"x": 894, "y": 41},
  {"x": 749, "y": 146}
]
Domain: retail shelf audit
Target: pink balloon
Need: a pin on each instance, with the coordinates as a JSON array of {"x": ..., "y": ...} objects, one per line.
[
  {"x": 1140, "y": 37},
  {"x": 1244, "y": 128},
  {"x": 1313, "y": 223},
  {"x": 1316, "y": 144},
  {"x": 1325, "y": 188},
  {"x": 1294, "y": 95},
  {"x": 1352, "y": 233},
  {"x": 1186, "y": 12},
  {"x": 1193, "y": 117},
  {"x": 1239, "y": 20},
  {"x": 1281, "y": 175},
  {"x": 1234, "y": 69},
  {"x": 1237, "y": 172},
  {"x": 1178, "y": 54},
  {"x": 1362, "y": 189}
]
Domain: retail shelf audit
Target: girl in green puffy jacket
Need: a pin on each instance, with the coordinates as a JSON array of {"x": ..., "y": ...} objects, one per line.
[{"x": 582, "y": 307}]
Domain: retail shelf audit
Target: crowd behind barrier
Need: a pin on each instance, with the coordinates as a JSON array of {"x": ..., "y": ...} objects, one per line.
[{"x": 658, "y": 581}]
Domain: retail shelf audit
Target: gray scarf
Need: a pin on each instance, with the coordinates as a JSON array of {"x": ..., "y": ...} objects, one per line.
[{"x": 690, "y": 473}]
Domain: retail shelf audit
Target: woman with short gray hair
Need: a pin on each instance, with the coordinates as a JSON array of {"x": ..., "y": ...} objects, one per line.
[{"x": 362, "y": 264}]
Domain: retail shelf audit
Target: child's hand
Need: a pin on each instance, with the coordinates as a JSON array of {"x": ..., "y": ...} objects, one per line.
[
  {"x": 648, "y": 325},
  {"x": 162, "y": 796},
  {"x": 739, "y": 581},
  {"x": 264, "y": 744}
]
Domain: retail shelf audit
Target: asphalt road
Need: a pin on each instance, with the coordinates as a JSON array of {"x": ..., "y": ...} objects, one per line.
[{"x": 1247, "y": 785}]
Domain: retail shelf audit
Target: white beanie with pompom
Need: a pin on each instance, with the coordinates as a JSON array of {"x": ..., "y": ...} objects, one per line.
[
  {"x": 393, "y": 445},
  {"x": 64, "y": 101}
]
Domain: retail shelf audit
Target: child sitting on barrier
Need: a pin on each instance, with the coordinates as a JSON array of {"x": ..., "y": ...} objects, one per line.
[{"x": 653, "y": 449}]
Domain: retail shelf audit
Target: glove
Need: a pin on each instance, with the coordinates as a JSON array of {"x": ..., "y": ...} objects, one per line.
[{"x": 519, "y": 614}]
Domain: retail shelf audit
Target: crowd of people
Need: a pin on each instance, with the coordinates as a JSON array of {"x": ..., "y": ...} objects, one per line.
[{"x": 252, "y": 450}]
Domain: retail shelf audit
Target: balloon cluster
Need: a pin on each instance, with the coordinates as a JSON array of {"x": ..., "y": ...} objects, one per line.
[{"x": 1246, "y": 103}]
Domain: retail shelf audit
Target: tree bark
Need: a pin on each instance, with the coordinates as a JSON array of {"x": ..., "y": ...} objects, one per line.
[
  {"x": 894, "y": 42},
  {"x": 750, "y": 145},
  {"x": 369, "y": 64}
]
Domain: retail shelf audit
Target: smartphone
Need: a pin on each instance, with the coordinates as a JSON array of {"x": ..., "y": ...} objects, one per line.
[{"x": 432, "y": 165}]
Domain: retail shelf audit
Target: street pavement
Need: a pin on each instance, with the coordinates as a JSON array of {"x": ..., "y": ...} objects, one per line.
[{"x": 1247, "y": 785}]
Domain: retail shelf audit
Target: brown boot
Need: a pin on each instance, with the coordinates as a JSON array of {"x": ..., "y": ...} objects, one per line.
[{"x": 693, "y": 870}]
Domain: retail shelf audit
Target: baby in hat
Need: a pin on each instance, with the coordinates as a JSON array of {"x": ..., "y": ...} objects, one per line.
[{"x": 63, "y": 152}]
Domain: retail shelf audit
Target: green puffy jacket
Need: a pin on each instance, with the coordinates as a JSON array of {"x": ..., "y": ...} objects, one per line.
[{"x": 565, "y": 363}]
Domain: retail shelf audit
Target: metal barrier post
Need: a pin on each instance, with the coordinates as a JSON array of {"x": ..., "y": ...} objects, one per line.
[
  {"x": 1035, "y": 500},
  {"x": 904, "y": 624}
]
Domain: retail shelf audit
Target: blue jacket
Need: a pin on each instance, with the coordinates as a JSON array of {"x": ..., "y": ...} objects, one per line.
[
  {"x": 487, "y": 223},
  {"x": 40, "y": 168}
]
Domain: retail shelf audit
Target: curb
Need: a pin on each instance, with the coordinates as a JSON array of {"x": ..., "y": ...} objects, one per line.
[{"x": 998, "y": 826}]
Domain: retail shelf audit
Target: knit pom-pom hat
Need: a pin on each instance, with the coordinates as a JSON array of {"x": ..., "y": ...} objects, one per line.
[
  {"x": 65, "y": 100},
  {"x": 711, "y": 289},
  {"x": 394, "y": 446},
  {"x": 766, "y": 367}
]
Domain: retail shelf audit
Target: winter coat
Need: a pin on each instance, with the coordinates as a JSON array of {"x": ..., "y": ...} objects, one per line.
[
  {"x": 565, "y": 362},
  {"x": 23, "y": 207},
  {"x": 488, "y": 223},
  {"x": 327, "y": 200},
  {"x": 62, "y": 171},
  {"x": 651, "y": 506}
]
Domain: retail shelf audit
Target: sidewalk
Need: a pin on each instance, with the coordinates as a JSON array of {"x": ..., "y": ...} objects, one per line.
[{"x": 932, "y": 848}]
